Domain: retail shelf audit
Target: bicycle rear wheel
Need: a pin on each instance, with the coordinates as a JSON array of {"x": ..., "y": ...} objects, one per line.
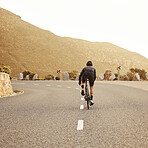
[{"x": 87, "y": 96}]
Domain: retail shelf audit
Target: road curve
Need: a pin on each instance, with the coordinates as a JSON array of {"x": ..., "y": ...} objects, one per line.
[{"x": 48, "y": 113}]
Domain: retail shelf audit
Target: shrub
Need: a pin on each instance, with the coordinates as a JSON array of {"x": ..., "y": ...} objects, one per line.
[
  {"x": 57, "y": 78},
  {"x": 115, "y": 79},
  {"x": 5, "y": 69},
  {"x": 73, "y": 75},
  {"x": 130, "y": 76},
  {"x": 116, "y": 75},
  {"x": 142, "y": 73},
  {"x": 49, "y": 77},
  {"x": 132, "y": 70},
  {"x": 25, "y": 73},
  {"x": 124, "y": 78},
  {"x": 31, "y": 75}
]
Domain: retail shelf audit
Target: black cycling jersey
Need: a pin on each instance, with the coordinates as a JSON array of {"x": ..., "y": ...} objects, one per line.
[{"x": 88, "y": 72}]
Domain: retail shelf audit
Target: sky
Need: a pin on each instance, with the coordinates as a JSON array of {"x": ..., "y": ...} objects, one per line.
[{"x": 120, "y": 22}]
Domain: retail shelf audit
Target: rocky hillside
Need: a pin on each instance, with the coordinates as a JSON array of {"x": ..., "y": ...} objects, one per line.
[{"x": 27, "y": 47}]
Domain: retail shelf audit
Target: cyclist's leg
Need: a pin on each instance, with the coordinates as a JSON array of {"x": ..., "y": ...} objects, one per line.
[
  {"x": 91, "y": 95},
  {"x": 91, "y": 90},
  {"x": 82, "y": 85},
  {"x": 91, "y": 82}
]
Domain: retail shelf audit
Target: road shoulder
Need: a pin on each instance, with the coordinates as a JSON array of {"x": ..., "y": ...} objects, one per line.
[{"x": 136, "y": 84}]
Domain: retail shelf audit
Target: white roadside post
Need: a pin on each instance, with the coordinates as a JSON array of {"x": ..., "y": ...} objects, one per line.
[
  {"x": 27, "y": 77},
  {"x": 65, "y": 76},
  {"x": 21, "y": 76},
  {"x": 119, "y": 68}
]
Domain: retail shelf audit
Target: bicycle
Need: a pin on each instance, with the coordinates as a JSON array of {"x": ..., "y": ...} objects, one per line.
[{"x": 87, "y": 95}]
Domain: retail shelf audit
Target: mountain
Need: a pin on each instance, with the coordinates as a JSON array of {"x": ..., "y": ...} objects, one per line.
[{"x": 26, "y": 47}]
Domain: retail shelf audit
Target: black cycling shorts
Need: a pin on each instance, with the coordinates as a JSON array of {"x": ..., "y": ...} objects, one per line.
[{"x": 90, "y": 77}]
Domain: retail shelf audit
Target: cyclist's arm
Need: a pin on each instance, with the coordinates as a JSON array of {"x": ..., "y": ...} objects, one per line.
[
  {"x": 81, "y": 76},
  {"x": 94, "y": 74}
]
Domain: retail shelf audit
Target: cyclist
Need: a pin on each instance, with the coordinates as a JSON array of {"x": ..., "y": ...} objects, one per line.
[{"x": 88, "y": 72}]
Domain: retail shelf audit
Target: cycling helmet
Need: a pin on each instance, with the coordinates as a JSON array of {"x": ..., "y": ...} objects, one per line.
[{"x": 89, "y": 63}]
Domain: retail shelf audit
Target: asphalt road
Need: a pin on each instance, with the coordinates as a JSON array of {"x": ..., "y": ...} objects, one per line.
[{"x": 48, "y": 115}]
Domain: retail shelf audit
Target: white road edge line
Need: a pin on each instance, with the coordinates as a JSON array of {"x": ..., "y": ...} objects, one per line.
[
  {"x": 80, "y": 125},
  {"x": 17, "y": 83},
  {"x": 81, "y": 106}
]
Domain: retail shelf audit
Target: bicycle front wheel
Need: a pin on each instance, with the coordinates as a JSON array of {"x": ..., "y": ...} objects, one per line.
[{"x": 88, "y": 103}]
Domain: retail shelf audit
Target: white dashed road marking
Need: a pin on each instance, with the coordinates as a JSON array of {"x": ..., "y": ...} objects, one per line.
[
  {"x": 77, "y": 88},
  {"x": 36, "y": 84},
  {"x": 59, "y": 86},
  {"x": 48, "y": 85},
  {"x": 68, "y": 87},
  {"x": 82, "y": 99},
  {"x": 81, "y": 106},
  {"x": 80, "y": 125},
  {"x": 19, "y": 83}
]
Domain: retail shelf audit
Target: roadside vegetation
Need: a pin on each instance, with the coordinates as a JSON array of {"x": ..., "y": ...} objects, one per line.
[
  {"x": 133, "y": 71},
  {"x": 5, "y": 69},
  {"x": 73, "y": 75},
  {"x": 134, "y": 74},
  {"x": 129, "y": 76},
  {"x": 26, "y": 72},
  {"x": 49, "y": 77}
]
